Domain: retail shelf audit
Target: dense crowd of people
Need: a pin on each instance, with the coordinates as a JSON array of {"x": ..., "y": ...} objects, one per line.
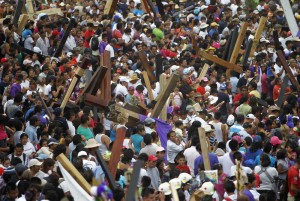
[{"x": 252, "y": 140}]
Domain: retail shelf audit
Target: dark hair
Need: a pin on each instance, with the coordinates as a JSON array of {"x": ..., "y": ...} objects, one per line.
[
  {"x": 10, "y": 186},
  {"x": 229, "y": 187},
  {"x": 146, "y": 192},
  {"x": 143, "y": 157},
  {"x": 146, "y": 181},
  {"x": 233, "y": 145},
  {"x": 147, "y": 139},
  {"x": 238, "y": 155},
  {"x": 251, "y": 178},
  {"x": 118, "y": 194},
  {"x": 255, "y": 146},
  {"x": 169, "y": 133},
  {"x": 240, "y": 118},
  {"x": 217, "y": 115},
  {"x": 99, "y": 128},
  {"x": 23, "y": 135},
  {"x": 77, "y": 139},
  {"x": 265, "y": 160},
  {"x": 33, "y": 120},
  {"x": 267, "y": 147},
  {"x": 84, "y": 119},
  {"x": 19, "y": 145},
  {"x": 281, "y": 154}
]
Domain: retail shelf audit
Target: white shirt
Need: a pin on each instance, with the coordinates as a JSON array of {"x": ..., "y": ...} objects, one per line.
[
  {"x": 111, "y": 50},
  {"x": 172, "y": 150},
  {"x": 245, "y": 170},
  {"x": 71, "y": 128},
  {"x": 28, "y": 43},
  {"x": 43, "y": 45},
  {"x": 226, "y": 163},
  {"x": 48, "y": 91},
  {"x": 70, "y": 44},
  {"x": 190, "y": 155},
  {"x": 120, "y": 89},
  {"x": 28, "y": 149}
]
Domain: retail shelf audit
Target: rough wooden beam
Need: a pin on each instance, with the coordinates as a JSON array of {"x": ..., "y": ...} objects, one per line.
[
  {"x": 152, "y": 8},
  {"x": 163, "y": 82},
  {"x": 18, "y": 12},
  {"x": 44, "y": 106},
  {"x": 288, "y": 69},
  {"x": 109, "y": 177},
  {"x": 290, "y": 17},
  {"x": 258, "y": 33},
  {"x": 148, "y": 85},
  {"x": 22, "y": 23},
  {"x": 134, "y": 180},
  {"x": 146, "y": 8},
  {"x": 110, "y": 7},
  {"x": 30, "y": 6},
  {"x": 79, "y": 73},
  {"x": 221, "y": 62},
  {"x": 64, "y": 161},
  {"x": 107, "y": 78},
  {"x": 160, "y": 7},
  {"x": 202, "y": 74},
  {"x": 247, "y": 52},
  {"x": 204, "y": 149},
  {"x": 116, "y": 151},
  {"x": 61, "y": 45},
  {"x": 234, "y": 37},
  {"x": 164, "y": 95},
  {"x": 276, "y": 40},
  {"x": 125, "y": 111},
  {"x": 237, "y": 46},
  {"x": 144, "y": 60},
  {"x": 159, "y": 65}
]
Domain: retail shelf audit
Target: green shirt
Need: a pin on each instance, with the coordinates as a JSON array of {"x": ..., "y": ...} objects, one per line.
[
  {"x": 158, "y": 33},
  {"x": 86, "y": 132}
]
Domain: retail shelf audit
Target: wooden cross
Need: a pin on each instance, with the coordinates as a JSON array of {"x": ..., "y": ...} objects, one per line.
[
  {"x": 237, "y": 46},
  {"x": 204, "y": 148},
  {"x": 289, "y": 15},
  {"x": 261, "y": 26},
  {"x": 164, "y": 95},
  {"x": 144, "y": 60},
  {"x": 163, "y": 83},
  {"x": 79, "y": 73},
  {"x": 110, "y": 7},
  {"x": 233, "y": 37},
  {"x": 18, "y": 12},
  {"x": 148, "y": 85}
]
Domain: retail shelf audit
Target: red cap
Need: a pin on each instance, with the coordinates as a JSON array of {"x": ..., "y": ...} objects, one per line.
[
  {"x": 4, "y": 60},
  {"x": 152, "y": 158},
  {"x": 275, "y": 141},
  {"x": 55, "y": 32},
  {"x": 1, "y": 171}
]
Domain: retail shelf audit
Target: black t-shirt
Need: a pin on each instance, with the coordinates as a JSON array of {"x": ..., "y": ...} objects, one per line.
[
  {"x": 242, "y": 82},
  {"x": 223, "y": 97}
]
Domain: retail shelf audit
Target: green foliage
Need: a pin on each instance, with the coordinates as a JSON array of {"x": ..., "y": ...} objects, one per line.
[{"x": 251, "y": 4}]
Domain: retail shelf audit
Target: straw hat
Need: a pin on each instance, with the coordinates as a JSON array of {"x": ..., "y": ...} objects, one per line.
[
  {"x": 214, "y": 24},
  {"x": 133, "y": 77},
  {"x": 91, "y": 143}
]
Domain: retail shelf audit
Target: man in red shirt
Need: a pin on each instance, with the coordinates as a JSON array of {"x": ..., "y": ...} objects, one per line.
[
  {"x": 237, "y": 98},
  {"x": 88, "y": 34},
  {"x": 117, "y": 34},
  {"x": 294, "y": 181},
  {"x": 201, "y": 87}
]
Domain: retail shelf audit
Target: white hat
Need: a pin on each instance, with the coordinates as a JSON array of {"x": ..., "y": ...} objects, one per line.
[
  {"x": 264, "y": 40},
  {"x": 250, "y": 116},
  {"x": 64, "y": 186},
  {"x": 208, "y": 188},
  {"x": 62, "y": 4},
  {"x": 82, "y": 153},
  {"x": 176, "y": 182},
  {"x": 174, "y": 68},
  {"x": 34, "y": 162},
  {"x": 27, "y": 61},
  {"x": 165, "y": 188},
  {"x": 271, "y": 50},
  {"x": 203, "y": 25},
  {"x": 159, "y": 149},
  {"x": 256, "y": 12},
  {"x": 230, "y": 120},
  {"x": 203, "y": 7},
  {"x": 69, "y": 54},
  {"x": 149, "y": 120},
  {"x": 123, "y": 79},
  {"x": 178, "y": 132},
  {"x": 212, "y": 99},
  {"x": 37, "y": 50},
  {"x": 207, "y": 128},
  {"x": 91, "y": 143},
  {"x": 185, "y": 177}
]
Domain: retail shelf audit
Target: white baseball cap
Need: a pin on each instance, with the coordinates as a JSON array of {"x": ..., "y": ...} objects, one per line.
[
  {"x": 34, "y": 162},
  {"x": 165, "y": 188},
  {"x": 208, "y": 188}
]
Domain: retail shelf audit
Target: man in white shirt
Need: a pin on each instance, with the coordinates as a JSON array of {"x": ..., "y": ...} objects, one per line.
[
  {"x": 191, "y": 154},
  {"x": 70, "y": 116},
  {"x": 86, "y": 163},
  {"x": 43, "y": 43},
  {"x": 110, "y": 47},
  {"x": 121, "y": 88},
  {"x": 70, "y": 43}
]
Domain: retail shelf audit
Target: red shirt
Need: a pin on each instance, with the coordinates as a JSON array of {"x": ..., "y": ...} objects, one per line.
[
  {"x": 87, "y": 35},
  {"x": 117, "y": 35},
  {"x": 183, "y": 168},
  {"x": 293, "y": 178},
  {"x": 201, "y": 90},
  {"x": 276, "y": 91}
]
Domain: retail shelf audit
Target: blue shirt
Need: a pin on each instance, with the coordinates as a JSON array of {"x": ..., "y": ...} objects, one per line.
[
  {"x": 272, "y": 159},
  {"x": 250, "y": 155},
  {"x": 136, "y": 141},
  {"x": 32, "y": 135},
  {"x": 212, "y": 158},
  {"x": 249, "y": 195}
]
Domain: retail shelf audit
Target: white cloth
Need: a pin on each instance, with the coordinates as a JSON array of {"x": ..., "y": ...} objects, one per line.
[
  {"x": 111, "y": 50},
  {"x": 172, "y": 150},
  {"x": 78, "y": 193},
  {"x": 190, "y": 155},
  {"x": 43, "y": 45},
  {"x": 71, "y": 128},
  {"x": 226, "y": 163}
]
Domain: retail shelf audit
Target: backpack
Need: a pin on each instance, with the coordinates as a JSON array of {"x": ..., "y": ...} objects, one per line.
[{"x": 94, "y": 43}]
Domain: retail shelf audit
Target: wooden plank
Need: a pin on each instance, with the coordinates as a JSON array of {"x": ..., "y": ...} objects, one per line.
[
  {"x": 134, "y": 180},
  {"x": 92, "y": 100},
  {"x": 159, "y": 65},
  {"x": 163, "y": 82},
  {"x": 164, "y": 95},
  {"x": 160, "y": 7},
  {"x": 116, "y": 151},
  {"x": 276, "y": 40},
  {"x": 79, "y": 73},
  {"x": 204, "y": 149},
  {"x": 234, "y": 37},
  {"x": 44, "y": 106},
  {"x": 22, "y": 23},
  {"x": 290, "y": 17},
  {"x": 227, "y": 46},
  {"x": 120, "y": 109},
  {"x": 144, "y": 60},
  {"x": 152, "y": 8},
  {"x": 220, "y": 61},
  {"x": 247, "y": 52},
  {"x": 258, "y": 33},
  {"x": 202, "y": 74},
  {"x": 67, "y": 32},
  {"x": 281, "y": 97},
  {"x": 102, "y": 162},
  {"x": 64, "y": 161},
  {"x": 288, "y": 70},
  {"x": 18, "y": 12},
  {"x": 148, "y": 85},
  {"x": 30, "y": 6},
  {"x": 237, "y": 46},
  {"x": 27, "y": 51},
  {"x": 110, "y": 7},
  {"x": 146, "y": 8},
  {"x": 107, "y": 77}
]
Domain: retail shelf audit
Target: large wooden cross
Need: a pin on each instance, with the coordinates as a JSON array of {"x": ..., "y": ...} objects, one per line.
[{"x": 147, "y": 67}]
